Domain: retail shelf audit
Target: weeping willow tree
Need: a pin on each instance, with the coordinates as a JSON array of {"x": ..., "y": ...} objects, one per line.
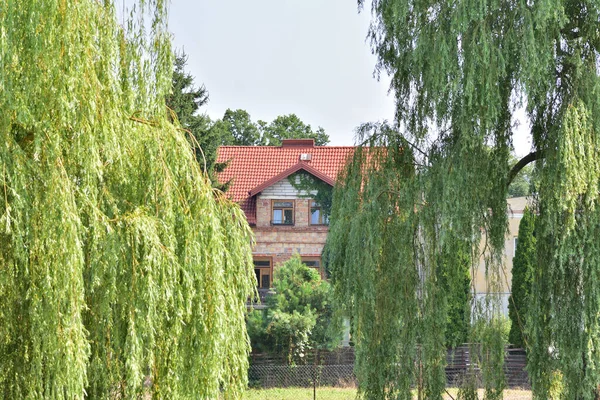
[
  {"x": 459, "y": 71},
  {"x": 122, "y": 273}
]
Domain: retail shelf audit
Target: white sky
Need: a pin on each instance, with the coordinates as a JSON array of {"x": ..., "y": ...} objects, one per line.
[{"x": 274, "y": 57}]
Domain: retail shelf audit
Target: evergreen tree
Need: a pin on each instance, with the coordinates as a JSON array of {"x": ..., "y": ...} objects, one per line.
[
  {"x": 122, "y": 273},
  {"x": 455, "y": 280},
  {"x": 299, "y": 315},
  {"x": 186, "y": 100},
  {"x": 522, "y": 275}
]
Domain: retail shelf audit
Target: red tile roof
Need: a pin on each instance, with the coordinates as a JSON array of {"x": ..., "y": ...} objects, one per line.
[{"x": 254, "y": 168}]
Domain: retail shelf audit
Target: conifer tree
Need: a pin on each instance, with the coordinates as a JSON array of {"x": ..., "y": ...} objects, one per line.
[
  {"x": 455, "y": 280},
  {"x": 522, "y": 274},
  {"x": 299, "y": 315},
  {"x": 186, "y": 100}
]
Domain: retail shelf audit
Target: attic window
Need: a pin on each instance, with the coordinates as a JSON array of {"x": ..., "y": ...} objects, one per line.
[
  {"x": 283, "y": 213},
  {"x": 305, "y": 157},
  {"x": 316, "y": 214}
]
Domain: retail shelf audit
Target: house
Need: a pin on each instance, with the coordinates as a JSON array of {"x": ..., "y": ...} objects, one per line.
[
  {"x": 516, "y": 208},
  {"x": 285, "y": 219}
]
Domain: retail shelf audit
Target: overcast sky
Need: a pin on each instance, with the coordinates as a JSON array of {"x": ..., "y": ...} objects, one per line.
[{"x": 275, "y": 57}]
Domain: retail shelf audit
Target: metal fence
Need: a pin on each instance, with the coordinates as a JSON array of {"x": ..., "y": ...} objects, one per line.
[
  {"x": 336, "y": 368},
  {"x": 321, "y": 368}
]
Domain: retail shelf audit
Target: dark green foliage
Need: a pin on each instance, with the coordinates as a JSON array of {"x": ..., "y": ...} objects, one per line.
[
  {"x": 455, "y": 280},
  {"x": 299, "y": 315},
  {"x": 291, "y": 127},
  {"x": 522, "y": 275},
  {"x": 458, "y": 71},
  {"x": 237, "y": 128},
  {"x": 186, "y": 100}
]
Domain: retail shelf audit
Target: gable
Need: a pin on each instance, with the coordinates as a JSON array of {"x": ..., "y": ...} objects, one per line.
[
  {"x": 283, "y": 189},
  {"x": 300, "y": 166},
  {"x": 252, "y": 168}
]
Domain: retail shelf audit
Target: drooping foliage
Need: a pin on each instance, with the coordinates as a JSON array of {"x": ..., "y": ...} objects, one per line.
[
  {"x": 394, "y": 251},
  {"x": 522, "y": 274},
  {"x": 299, "y": 315},
  {"x": 459, "y": 70},
  {"x": 122, "y": 273},
  {"x": 523, "y": 184}
]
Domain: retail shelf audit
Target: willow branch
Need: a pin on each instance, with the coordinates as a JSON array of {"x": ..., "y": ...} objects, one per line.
[
  {"x": 529, "y": 158},
  {"x": 144, "y": 121}
]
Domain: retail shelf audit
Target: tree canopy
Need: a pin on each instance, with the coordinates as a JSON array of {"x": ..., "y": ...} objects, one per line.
[
  {"x": 123, "y": 274},
  {"x": 237, "y": 128},
  {"x": 291, "y": 127},
  {"x": 459, "y": 70}
]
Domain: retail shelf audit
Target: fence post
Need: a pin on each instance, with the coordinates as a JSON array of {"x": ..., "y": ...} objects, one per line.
[{"x": 315, "y": 374}]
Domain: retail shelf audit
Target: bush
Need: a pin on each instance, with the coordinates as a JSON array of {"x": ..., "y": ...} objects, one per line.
[{"x": 299, "y": 315}]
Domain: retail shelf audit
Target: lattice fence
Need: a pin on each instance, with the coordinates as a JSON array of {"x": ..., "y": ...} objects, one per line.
[{"x": 336, "y": 368}]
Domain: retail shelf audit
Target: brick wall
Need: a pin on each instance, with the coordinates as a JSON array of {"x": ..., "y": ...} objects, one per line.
[{"x": 279, "y": 242}]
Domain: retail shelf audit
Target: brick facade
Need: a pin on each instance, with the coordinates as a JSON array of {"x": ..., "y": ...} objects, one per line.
[
  {"x": 259, "y": 176},
  {"x": 280, "y": 242}
]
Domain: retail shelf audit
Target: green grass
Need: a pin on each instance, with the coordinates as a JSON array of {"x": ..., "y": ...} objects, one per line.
[
  {"x": 325, "y": 393},
  {"x": 328, "y": 393}
]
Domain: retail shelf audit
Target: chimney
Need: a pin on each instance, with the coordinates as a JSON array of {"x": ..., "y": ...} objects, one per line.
[{"x": 298, "y": 143}]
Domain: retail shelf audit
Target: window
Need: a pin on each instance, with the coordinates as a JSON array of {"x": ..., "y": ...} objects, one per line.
[
  {"x": 316, "y": 214},
  {"x": 515, "y": 242},
  {"x": 313, "y": 262},
  {"x": 262, "y": 270},
  {"x": 283, "y": 213}
]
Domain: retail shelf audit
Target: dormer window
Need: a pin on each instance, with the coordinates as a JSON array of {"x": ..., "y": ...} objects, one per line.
[
  {"x": 283, "y": 213},
  {"x": 316, "y": 214}
]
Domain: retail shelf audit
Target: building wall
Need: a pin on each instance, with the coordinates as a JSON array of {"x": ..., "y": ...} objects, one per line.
[
  {"x": 516, "y": 206},
  {"x": 280, "y": 242},
  {"x": 283, "y": 190}
]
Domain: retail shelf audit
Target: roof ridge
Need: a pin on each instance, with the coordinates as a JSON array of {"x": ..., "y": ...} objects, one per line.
[{"x": 291, "y": 147}]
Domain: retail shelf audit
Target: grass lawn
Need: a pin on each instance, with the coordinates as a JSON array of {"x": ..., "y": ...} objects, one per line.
[
  {"x": 328, "y": 393},
  {"x": 323, "y": 393}
]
